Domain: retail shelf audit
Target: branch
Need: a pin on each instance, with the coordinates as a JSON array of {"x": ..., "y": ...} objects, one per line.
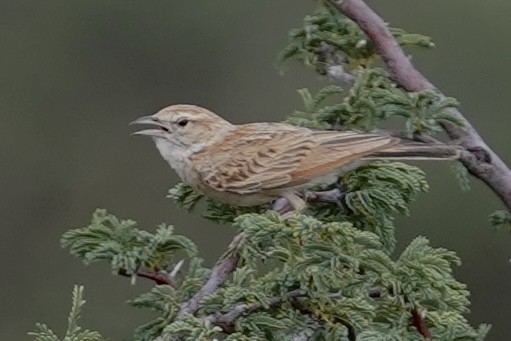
[
  {"x": 219, "y": 275},
  {"x": 226, "y": 321},
  {"x": 419, "y": 323},
  {"x": 479, "y": 159}
]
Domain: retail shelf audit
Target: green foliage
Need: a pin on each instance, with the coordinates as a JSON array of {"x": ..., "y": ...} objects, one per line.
[
  {"x": 374, "y": 195},
  {"x": 73, "y": 332},
  {"x": 316, "y": 114},
  {"x": 327, "y": 28},
  {"x": 191, "y": 328},
  {"x": 462, "y": 175},
  {"x": 165, "y": 300},
  {"x": 328, "y": 38},
  {"x": 372, "y": 99},
  {"x": 184, "y": 196},
  {"x": 187, "y": 198},
  {"x": 337, "y": 266},
  {"x": 123, "y": 245}
]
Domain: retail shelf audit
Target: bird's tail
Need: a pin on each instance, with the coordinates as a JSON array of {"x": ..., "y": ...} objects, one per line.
[{"x": 417, "y": 151}]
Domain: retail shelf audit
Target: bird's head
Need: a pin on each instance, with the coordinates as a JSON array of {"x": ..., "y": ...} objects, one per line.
[{"x": 184, "y": 126}]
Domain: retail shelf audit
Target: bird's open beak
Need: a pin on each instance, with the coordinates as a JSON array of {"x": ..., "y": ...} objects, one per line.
[
  {"x": 150, "y": 120},
  {"x": 145, "y": 120}
]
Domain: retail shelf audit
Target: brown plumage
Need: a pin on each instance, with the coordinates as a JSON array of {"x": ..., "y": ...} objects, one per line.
[{"x": 254, "y": 163}]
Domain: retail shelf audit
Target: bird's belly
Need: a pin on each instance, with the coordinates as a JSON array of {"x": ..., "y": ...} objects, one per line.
[{"x": 268, "y": 194}]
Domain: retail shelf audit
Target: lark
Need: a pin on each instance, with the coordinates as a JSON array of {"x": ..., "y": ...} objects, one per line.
[{"x": 255, "y": 163}]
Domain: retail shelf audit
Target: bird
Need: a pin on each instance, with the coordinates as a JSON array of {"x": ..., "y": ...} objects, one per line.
[{"x": 255, "y": 163}]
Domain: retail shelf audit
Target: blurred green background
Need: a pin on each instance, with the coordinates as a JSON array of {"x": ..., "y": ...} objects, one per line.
[{"x": 74, "y": 73}]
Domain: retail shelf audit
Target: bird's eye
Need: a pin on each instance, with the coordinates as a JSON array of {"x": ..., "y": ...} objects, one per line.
[{"x": 182, "y": 122}]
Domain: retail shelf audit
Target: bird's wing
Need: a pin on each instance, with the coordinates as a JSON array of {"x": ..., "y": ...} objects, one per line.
[
  {"x": 336, "y": 149},
  {"x": 262, "y": 156}
]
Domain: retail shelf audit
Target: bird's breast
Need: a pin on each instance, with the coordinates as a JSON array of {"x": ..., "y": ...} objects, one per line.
[{"x": 179, "y": 161}]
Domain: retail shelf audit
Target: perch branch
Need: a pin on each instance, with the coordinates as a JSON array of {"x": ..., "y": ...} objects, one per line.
[{"x": 478, "y": 158}]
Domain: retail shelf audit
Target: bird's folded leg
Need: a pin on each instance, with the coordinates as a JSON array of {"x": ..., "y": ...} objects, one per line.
[
  {"x": 288, "y": 205},
  {"x": 291, "y": 203},
  {"x": 334, "y": 196},
  {"x": 281, "y": 206}
]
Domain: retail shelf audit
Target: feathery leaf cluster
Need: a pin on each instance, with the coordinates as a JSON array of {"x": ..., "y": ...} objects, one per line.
[
  {"x": 332, "y": 281},
  {"x": 165, "y": 300},
  {"x": 187, "y": 198},
  {"x": 73, "y": 332},
  {"x": 126, "y": 247},
  {"x": 501, "y": 219},
  {"x": 375, "y": 194},
  {"x": 325, "y": 29},
  {"x": 374, "y": 98}
]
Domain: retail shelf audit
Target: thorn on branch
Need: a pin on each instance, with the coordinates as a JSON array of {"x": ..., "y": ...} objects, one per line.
[{"x": 176, "y": 268}]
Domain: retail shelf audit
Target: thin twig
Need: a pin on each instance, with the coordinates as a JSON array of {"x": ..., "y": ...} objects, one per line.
[
  {"x": 419, "y": 323},
  {"x": 156, "y": 276},
  {"x": 479, "y": 159},
  {"x": 226, "y": 321}
]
